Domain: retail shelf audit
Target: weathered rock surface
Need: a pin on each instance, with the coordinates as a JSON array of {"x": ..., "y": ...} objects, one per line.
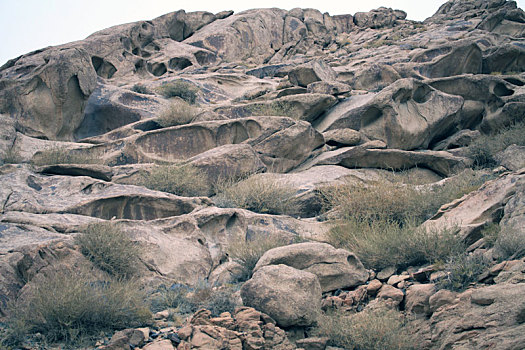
[
  {"x": 473, "y": 211},
  {"x": 311, "y": 72},
  {"x": 301, "y": 97},
  {"x": 335, "y": 268},
  {"x": 291, "y": 297},
  {"x": 497, "y": 322},
  {"x": 407, "y": 115}
]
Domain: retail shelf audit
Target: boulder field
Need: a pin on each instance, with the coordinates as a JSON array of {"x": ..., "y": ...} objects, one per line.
[{"x": 301, "y": 98}]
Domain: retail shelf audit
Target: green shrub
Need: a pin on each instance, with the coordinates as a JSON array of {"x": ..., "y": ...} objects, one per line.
[
  {"x": 367, "y": 330},
  {"x": 73, "y": 306},
  {"x": 179, "y": 88},
  {"x": 484, "y": 149},
  {"x": 62, "y": 155},
  {"x": 462, "y": 270},
  {"x": 259, "y": 194},
  {"x": 510, "y": 243},
  {"x": 384, "y": 243},
  {"x": 247, "y": 252},
  {"x": 177, "y": 113},
  {"x": 141, "y": 89},
  {"x": 110, "y": 249},
  {"x": 182, "y": 180}
]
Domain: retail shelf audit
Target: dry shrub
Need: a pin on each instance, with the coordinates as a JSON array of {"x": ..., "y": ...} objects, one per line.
[
  {"x": 182, "y": 180},
  {"x": 110, "y": 249},
  {"x": 367, "y": 330},
  {"x": 179, "y": 88},
  {"x": 182, "y": 299},
  {"x": 397, "y": 201},
  {"x": 384, "y": 243},
  {"x": 178, "y": 112},
  {"x": 380, "y": 200},
  {"x": 73, "y": 306},
  {"x": 62, "y": 155},
  {"x": 510, "y": 243},
  {"x": 462, "y": 270},
  {"x": 12, "y": 156},
  {"x": 259, "y": 194},
  {"x": 483, "y": 149},
  {"x": 141, "y": 89},
  {"x": 247, "y": 252}
]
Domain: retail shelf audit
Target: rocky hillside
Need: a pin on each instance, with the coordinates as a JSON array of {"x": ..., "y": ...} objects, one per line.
[{"x": 269, "y": 180}]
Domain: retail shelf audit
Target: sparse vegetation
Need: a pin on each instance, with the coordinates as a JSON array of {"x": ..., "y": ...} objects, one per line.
[
  {"x": 172, "y": 297},
  {"x": 182, "y": 180},
  {"x": 383, "y": 243},
  {"x": 379, "y": 221},
  {"x": 274, "y": 108},
  {"x": 490, "y": 234},
  {"x": 182, "y": 299},
  {"x": 75, "y": 306},
  {"x": 12, "y": 156},
  {"x": 397, "y": 201},
  {"x": 510, "y": 243},
  {"x": 247, "y": 252},
  {"x": 178, "y": 112},
  {"x": 141, "y": 89},
  {"x": 110, "y": 249},
  {"x": 62, "y": 155},
  {"x": 368, "y": 330},
  {"x": 179, "y": 88},
  {"x": 257, "y": 193},
  {"x": 462, "y": 270},
  {"x": 484, "y": 148}
]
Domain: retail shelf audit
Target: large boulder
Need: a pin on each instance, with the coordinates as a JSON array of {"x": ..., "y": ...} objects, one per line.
[
  {"x": 406, "y": 115},
  {"x": 335, "y": 268},
  {"x": 472, "y": 212},
  {"x": 291, "y": 297},
  {"x": 311, "y": 72},
  {"x": 379, "y": 18},
  {"x": 491, "y": 101},
  {"x": 449, "y": 60},
  {"x": 253, "y": 35},
  {"x": 373, "y": 155},
  {"x": 54, "y": 82},
  {"x": 82, "y": 195}
]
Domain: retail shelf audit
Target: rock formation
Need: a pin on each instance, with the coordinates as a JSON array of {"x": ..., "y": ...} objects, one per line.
[{"x": 301, "y": 98}]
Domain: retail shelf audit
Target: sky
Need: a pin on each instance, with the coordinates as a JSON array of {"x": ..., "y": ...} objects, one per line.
[{"x": 27, "y": 25}]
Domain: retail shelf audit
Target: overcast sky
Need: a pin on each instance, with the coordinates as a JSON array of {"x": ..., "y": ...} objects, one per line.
[{"x": 27, "y": 25}]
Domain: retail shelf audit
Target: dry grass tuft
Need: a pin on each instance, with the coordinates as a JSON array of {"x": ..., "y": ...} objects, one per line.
[
  {"x": 75, "y": 306},
  {"x": 259, "y": 194},
  {"x": 182, "y": 180},
  {"x": 178, "y": 112},
  {"x": 367, "y": 330},
  {"x": 110, "y": 249}
]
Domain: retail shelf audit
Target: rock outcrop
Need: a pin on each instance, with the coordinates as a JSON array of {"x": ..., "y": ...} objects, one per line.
[{"x": 300, "y": 98}]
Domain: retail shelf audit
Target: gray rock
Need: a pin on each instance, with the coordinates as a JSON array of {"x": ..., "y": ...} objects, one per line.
[
  {"x": 407, "y": 115},
  {"x": 512, "y": 158},
  {"x": 311, "y": 72},
  {"x": 291, "y": 297},
  {"x": 379, "y": 18},
  {"x": 335, "y": 268}
]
